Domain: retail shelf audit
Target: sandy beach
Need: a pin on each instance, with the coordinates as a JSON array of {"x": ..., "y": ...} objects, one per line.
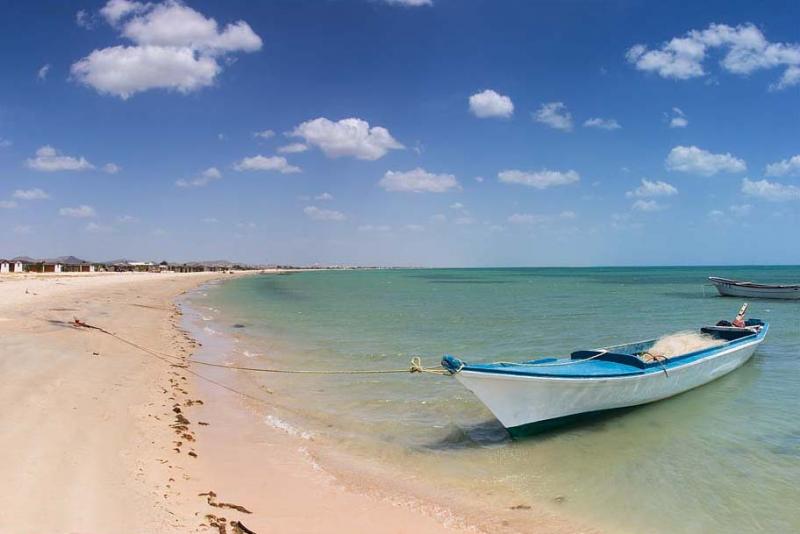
[{"x": 101, "y": 436}]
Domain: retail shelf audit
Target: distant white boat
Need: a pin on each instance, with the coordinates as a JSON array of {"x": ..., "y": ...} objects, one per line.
[
  {"x": 736, "y": 288},
  {"x": 536, "y": 395}
]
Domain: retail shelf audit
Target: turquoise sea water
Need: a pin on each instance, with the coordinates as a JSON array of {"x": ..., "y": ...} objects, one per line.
[{"x": 722, "y": 458}]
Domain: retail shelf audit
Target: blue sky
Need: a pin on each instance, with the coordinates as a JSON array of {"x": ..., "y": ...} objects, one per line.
[{"x": 406, "y": 132}]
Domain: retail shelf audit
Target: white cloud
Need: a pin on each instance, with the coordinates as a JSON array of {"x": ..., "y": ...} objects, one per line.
[
  {"x": 410, "y": 3},
  {"x": 647, "y": 205},
  {"x": 293, "y": 148},
  {"x": 127, "y": 219},
  {"x": 463, "y": 220},
  {"x": 125, "y": 70},
  {"x": 116, "y": 10},
  {"x": 771, "y": 191},
  {"x": 603, "y": 124},
  {"x": 414, "y": 227},
  {"x": 479, "y": 179},
  {"x": 698, "y": 161},
  {"x": 318, "y": 214},
  {"x": 30, "y": 194},
  {"x": 456, "y": 206},
  {"x": 555, "y": 115},
  {"x": 172, "y": 24},
  {"x": 439, "y": 217},
  {"x": 42, "y": 73},
  {"x": 741, "y": 210},
  {"x": 5, "y": 143},
  {"x": 652, "y": 189},
  {"x": 418, "y": 181},
  {"x": 538, "y": 179},
  {"x": 263, "y": 163},
  {"x": 678, "y": 119},
  {"x": 324, "y": 196},
  {"x": 48, "y": 159},
  {"x": 83, "y": 211},
  {"x": 96, "y": 228},
  {"x": 745, "y": 51},
  {"x": 347, "y": 137},
  {"x": 264, "y": 134},
  {"x": 374, "y": 228},
  {"x": 489, "y": 103},
  {"x": 206, "y": 177},
  {"x": 786, "y": 167},
  {"x": 716, "y": 214},
  {"x": 7, "y": 204},
  {"x": 175, "y": 47},
  {"x": 84, "y": 20},
  {"x": 111, "y": 168},
  {"x": 210, "y": 220},
  {"x": 23, "y": 229},
  {"x": 536, "y": 218},
  {"x": 790, "y": 78},
  {"x": 527, "y": 218}
]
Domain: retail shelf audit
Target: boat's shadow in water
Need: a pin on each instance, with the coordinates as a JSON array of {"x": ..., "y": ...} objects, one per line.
[
  {"x": 491, "y": 433},
  {"x": 585, "y": 422}
]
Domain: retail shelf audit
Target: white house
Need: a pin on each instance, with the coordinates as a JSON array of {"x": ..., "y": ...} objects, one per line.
[
  {"x": 17, "y": 266},
  {"x": 4, "y": 266}
]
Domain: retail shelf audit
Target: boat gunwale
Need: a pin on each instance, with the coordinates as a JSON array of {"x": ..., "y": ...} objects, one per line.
[{"x": 700, "y": 356}]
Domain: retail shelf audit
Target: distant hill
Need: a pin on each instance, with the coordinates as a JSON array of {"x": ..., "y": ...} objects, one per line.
[{"x": 68, "y": 260}]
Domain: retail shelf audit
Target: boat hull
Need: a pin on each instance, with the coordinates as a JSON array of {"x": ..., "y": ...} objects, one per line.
[
  {"x": 728, "y": 289},
  {"x": 523, "y": 403}
]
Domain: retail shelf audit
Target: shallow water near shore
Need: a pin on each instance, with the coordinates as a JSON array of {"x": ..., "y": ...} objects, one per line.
[{"x": 724, "y": 457}]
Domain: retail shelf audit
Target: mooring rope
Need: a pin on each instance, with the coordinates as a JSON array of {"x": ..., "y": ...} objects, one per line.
[{"x": 415, "y": 364}]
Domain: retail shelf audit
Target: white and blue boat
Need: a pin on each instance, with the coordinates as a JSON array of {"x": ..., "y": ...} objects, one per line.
[{"x": 536, "y": 395}]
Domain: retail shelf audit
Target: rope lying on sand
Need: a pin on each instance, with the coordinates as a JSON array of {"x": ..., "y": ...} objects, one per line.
[{"x": 415, "y": 365}]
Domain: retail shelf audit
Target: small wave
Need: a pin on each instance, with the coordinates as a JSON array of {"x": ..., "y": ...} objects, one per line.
[
  {"x": 249, "y": 354},
  {"x": 283, "y": 426},
  {"x": 210, "y": 331},
  {"x": 207, "y": 318},
  {"x": 310, "y": 459}
]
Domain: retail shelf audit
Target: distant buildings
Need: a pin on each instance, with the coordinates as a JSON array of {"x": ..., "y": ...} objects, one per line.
[
  {"x": 71, "y": 264},
  {"x": 12, "y": 266}
]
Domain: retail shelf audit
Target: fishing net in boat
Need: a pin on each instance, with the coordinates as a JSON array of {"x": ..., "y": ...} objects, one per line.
[{"x": 667, "y": 347}]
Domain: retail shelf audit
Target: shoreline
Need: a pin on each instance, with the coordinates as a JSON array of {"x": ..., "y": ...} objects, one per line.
[
  {"x": 455, "y": 509},
  {"x": 102, "y": 436}
]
